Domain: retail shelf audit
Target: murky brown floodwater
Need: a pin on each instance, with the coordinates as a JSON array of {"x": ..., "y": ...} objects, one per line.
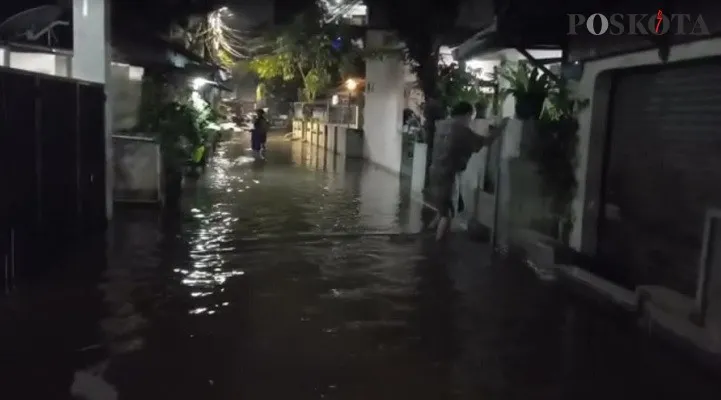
[{"x": 289, "y": 279}]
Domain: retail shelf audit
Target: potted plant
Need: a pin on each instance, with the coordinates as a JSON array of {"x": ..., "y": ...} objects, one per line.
[
  {"x": 554, "y": 151},
  {"x": 207, "y": 124},
  {"x": 529, "y": 86},
  {"x": 179, "y": 137}
]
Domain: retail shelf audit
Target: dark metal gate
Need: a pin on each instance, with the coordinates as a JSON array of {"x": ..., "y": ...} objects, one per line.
[
  {"x": 662, "y": 173},
  {"x": 52, "y": 169}
]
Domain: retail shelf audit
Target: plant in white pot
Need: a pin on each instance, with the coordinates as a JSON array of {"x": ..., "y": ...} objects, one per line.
[{"x": 528, "y": 85}]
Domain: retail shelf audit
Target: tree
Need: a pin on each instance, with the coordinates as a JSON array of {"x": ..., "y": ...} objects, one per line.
[
  {"x": 421, "y": 26},
  {"x": 212, "y": 37},
  {"x": 315, "y": 53}
]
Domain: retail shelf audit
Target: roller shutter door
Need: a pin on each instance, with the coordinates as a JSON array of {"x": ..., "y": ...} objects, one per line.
[{"x": 662, "y": 172}]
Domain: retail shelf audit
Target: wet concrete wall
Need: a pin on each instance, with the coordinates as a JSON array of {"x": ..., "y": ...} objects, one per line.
[
  {"x": 336, "y": 138},
  {"x": 521, "y": 204},
  {"x": 125, "y": 89},
  {"x": 137, "y": 170},
  {"x": 383, "y": 110},
  {"x": 478, "y": 204},
  {"x": 471, "y": 180}
]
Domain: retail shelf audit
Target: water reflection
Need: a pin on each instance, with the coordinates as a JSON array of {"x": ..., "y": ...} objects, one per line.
[
  {"x": 284, "y": 281},
  {"x": 208, "y": 271}
]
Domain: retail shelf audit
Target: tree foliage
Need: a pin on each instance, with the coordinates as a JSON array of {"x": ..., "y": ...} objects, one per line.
[
  {"x": 318, "y": 55},
  {"x": 456, "y": 84},
  {"x": 421, "y": 26}
]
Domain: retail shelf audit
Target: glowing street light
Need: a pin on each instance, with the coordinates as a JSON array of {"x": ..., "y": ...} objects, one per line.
[{"x": 351, "y": 85}]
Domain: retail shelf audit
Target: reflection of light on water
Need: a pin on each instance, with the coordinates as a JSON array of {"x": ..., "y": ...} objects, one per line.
[
  {"x": 208, "y": 271},
  {"x": 243, "y": 160}
]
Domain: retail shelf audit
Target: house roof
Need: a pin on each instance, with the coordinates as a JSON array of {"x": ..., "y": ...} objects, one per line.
[
  {"x": 490, "y": 40},
  {"x": 50, "y": 28}
]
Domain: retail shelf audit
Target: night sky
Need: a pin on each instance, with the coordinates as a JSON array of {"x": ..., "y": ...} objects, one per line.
[
  {"x": 250, "y": 12},
  {"x": 286, "y": 9}
]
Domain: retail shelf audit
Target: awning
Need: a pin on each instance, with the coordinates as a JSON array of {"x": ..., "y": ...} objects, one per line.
[
  {"x": 541, "y": 28},
  {"x": 489, "y": 40},
  {"x": 482, "y": 42}
]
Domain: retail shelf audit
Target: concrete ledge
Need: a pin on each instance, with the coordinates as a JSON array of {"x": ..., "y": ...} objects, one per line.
[
  {"x": 662, "y": 312},
  {"x": 676, "y": 316},
  {"x": 542, "y": 253},
  {"x": 551, "y": 259},
  {"x": 382, "y": 167},
  {"x": 616, "y": 294},
  {"x": 693, "y": 340},
  {"x": 668, "y": 301}
]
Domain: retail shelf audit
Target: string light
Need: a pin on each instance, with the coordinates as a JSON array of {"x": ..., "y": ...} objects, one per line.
[
  {"x": 338, "y": 9},
  {"x": 220, "y": 38}
]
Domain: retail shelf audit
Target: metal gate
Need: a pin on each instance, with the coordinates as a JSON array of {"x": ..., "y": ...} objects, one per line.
[
  {"x": 662, "y": 174},
  {"x": 52, "y": 136}
]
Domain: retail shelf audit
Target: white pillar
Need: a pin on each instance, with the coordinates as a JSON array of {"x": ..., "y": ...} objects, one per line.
[
  {"x": 91, "y": 62},
  {"x": 4, "y": 57},
  {"x": 62, "y": 65}
]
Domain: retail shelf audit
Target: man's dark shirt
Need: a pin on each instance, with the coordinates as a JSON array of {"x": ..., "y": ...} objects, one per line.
[{"x": 457, "y": 143}]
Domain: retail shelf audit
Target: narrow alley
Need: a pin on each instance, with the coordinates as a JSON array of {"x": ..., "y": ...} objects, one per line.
[{"x": 303, "y": 277}]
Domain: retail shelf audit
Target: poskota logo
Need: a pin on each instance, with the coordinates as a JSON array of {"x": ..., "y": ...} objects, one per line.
[{"x": 657, "y": 23}]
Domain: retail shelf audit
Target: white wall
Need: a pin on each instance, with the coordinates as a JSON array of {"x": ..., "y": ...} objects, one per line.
[
  {"x": 379, "y": 198},
  {"x": 62, "y": 65},
  {"x": 125, "y": 88},
  {"x": 43, "y": 63},
  {"x": 590, "y": 158},
  {"x": 383, "y": 109}
]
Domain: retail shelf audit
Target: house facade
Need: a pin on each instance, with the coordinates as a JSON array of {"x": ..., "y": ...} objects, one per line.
[
  {"x": 649, "y": 170},
  {"x": 390, "y": 86}
]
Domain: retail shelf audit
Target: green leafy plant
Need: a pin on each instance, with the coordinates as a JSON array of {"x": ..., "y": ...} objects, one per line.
[
  {"x": 562, "y": 103},
  {"x": 178, "y": 133},
  {"x": 207, "y": 119},
  {"x": 554, "y": 151},
  {"x": 457, "y": 85},
  {"x": 183, "y": 124},
  {"x": 528, "y": 85},
  {"x": 179, "y": 122}
]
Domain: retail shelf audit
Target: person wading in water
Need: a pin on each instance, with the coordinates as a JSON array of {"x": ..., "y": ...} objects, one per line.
[
  {"x": 259, "y": 135},
  {"x": 457, "y": 142}
]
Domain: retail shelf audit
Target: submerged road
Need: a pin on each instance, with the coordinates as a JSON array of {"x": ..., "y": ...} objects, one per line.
[{"x": 292, "y": 279}]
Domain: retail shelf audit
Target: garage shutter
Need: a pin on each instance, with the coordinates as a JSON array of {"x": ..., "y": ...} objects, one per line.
[{"x": 662, "y": 172}]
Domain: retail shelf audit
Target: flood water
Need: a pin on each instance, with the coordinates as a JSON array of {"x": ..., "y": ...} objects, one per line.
[{"x": 300, "y": 278}]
